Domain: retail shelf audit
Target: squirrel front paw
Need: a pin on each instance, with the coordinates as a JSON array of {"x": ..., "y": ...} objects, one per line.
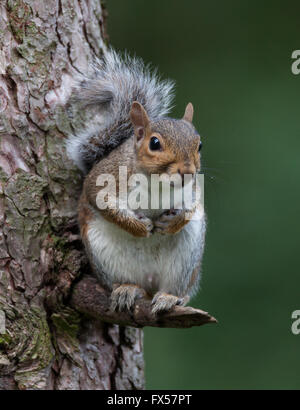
[
  {"x": 171, "y": 221},
  {"x": 124, "y": 296},
  {"x": 163, "y": 301},
  {"x": 144, "y": 226}
]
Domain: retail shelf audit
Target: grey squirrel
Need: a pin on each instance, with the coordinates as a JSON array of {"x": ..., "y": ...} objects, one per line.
[{"x": 135, "y": 252}]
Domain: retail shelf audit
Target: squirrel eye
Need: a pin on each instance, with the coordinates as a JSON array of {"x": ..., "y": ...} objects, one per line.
[
  {"x": 200, "y": 146},
  {"x": 154, "y": 144}
]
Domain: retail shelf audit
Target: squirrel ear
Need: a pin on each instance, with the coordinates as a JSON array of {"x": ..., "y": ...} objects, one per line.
[
  {"x": 189, "y": 112},
  {"x": 139, "y": 119}
]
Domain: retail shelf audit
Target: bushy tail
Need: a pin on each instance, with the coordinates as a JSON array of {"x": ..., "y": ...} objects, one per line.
[{"x": 115, "y": 83}]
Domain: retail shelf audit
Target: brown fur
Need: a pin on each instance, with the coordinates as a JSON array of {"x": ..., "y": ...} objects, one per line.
[
  {"x": 173, "y": 222},
  {"x": 178, "y": 154},
  {"x": 177, "y": 224},
  {"x": 85, "y": 215},
  {"x": 121, "y": 156}
]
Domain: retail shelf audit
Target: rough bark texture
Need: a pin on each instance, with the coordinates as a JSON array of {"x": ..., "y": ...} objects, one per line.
[{"x": 46, "y": 344}]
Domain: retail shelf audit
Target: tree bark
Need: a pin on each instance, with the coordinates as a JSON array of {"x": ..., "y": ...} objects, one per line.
[{"x": 46, "y": 344}]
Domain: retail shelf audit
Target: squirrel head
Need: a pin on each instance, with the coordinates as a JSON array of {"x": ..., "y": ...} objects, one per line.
[{"x": 166, "y": 146}]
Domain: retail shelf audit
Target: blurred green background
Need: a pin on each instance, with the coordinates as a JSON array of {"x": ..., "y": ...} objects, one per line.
[{"x": 233, "y": 61}]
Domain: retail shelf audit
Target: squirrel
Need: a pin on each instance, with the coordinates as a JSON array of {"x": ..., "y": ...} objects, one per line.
[{"x": 137, "y": 252}]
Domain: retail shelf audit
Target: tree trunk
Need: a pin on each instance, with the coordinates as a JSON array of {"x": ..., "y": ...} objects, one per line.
[{"x": 44, "y": 343}]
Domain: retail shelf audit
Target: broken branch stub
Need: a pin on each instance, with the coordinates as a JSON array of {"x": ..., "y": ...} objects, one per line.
[{"x": 89, "y": 298}]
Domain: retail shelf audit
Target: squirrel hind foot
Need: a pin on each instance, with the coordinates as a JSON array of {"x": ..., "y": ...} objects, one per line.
[
  {"x": 123, "y": 297},
  {"x": 163, "y": 302}
]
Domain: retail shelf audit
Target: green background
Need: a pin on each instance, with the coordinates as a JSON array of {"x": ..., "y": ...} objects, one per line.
[{"x": 232, "y": 59}]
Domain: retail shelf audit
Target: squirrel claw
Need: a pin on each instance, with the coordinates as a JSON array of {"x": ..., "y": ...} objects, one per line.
[
  {"x": 147, "y": 224},
  {"x": 163, "y": 302},
  {"x": 124, "y": 296},
  {"x": 169, "y": 218}
]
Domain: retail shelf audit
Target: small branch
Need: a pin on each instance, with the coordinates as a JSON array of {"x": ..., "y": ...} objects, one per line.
[{"x": 89, "y": 298}]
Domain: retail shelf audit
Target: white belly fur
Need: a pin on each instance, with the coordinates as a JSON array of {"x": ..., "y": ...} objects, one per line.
[{"x": 160, "y": 262}]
